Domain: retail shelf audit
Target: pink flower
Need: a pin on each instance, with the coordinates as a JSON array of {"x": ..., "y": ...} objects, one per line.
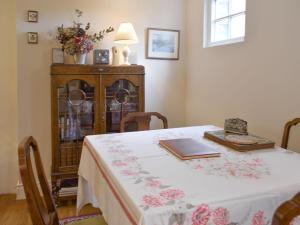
[
  {"x": 258, "y": 218},
  {"x": 221, "y": 216},
  {"x": 152, "y": 201},
  {"x": 119, "y": 164},
  {"x": 293, "y": 222},
  {"x": 77, "y": 40},
  {"x": 172, "y": 194},
  {"x": 201, "y": 215},
  {"x": 255, "y": 162},
  {"x": 153, "y": 183},
  {"x": 198, "y": 167},
  {"x": 114, "y": 151},
  {"x": 258, "y": 160},
  {"x": 128, "y": 173},
  {"x": 250, "y": 175},
  {"x": 131, "y": 158}
]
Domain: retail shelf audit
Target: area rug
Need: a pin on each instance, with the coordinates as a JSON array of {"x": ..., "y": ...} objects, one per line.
[{"x": 92, "y": 219}]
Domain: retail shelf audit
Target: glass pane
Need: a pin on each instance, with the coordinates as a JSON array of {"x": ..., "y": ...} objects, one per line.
[
  {"x": 222, "y": 8},
  {"x": 238, "y": 26},
  {"x": 238, "y": 6},
  {"x": 75, "y": 119},
  {"x": 121, "y": 98},
  {"x": 221, "y": 30}
]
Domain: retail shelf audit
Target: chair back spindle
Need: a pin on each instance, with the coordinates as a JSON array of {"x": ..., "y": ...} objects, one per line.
[
  {"x": 286, "y": 132},
  {"x": 142, "y": 119}
]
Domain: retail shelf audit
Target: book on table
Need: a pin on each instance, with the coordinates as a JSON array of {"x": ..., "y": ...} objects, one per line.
[{"x": 188, "y": 148}]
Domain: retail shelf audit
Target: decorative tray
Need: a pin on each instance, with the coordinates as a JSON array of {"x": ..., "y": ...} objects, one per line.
[{"x": 239, "y": 142}]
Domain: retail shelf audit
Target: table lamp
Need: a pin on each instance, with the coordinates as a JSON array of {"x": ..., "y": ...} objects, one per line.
[{"x": 126, "y": 35}]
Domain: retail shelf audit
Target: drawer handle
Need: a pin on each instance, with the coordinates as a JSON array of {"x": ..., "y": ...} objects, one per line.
[{"x": 101, "y": 69}]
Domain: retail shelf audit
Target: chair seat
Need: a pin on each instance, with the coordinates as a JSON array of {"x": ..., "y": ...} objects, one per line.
[{"x": 84, "y": 220}]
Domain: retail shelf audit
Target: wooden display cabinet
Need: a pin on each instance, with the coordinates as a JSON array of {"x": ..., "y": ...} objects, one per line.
[{"x": 87, "y": 100}]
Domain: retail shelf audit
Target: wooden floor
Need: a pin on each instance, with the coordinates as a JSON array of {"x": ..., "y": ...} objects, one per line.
[{"x": 14, "y": 212}]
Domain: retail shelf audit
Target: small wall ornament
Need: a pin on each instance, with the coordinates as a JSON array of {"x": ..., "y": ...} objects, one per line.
[
  {"x": 32, "y": 16},
  {"x": 32, "y": 37}
]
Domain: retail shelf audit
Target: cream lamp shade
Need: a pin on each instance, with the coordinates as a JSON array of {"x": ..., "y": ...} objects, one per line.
[{"x": 126, "y": 34}]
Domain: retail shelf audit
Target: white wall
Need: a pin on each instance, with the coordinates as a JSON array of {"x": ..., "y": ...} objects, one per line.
[
  {"x": 165, "y": 80},
  {"x": 258, "y": 80},
  {"x": 8, "y": 93}
]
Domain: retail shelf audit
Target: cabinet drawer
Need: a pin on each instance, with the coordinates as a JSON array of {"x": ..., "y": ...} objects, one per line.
[{"x": 64, "y": 69}]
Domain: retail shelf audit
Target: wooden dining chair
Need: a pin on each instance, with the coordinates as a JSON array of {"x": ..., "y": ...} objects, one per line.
[
  {"x": 286, "y": 132},
  {"x": 287, "y": 212},
  {"x": 142, "y": 119},
  {"x": 42, "y": 209}
]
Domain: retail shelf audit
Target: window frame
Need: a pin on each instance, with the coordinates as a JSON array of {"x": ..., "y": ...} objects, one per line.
[{"x": 208, "y": 24}]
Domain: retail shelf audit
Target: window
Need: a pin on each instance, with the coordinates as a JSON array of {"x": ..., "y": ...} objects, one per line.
[{"x": 224, "y": 22}]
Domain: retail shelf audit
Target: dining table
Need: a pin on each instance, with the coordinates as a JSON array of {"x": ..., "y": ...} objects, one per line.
[{"x": 135, "y": 181}]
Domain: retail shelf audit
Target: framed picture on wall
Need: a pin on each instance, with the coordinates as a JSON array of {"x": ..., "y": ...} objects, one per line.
[
  {"x": 32, "y": 37},
  {"x": 32, "y": 16},
  {"x": 162, "y": 44}
]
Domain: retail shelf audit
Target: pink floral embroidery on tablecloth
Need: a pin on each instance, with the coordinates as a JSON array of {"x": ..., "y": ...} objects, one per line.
[
  {"x": 119, "y": 164},
  {"x": 220, "y": 216},
  {"x": 131, "y": 159},
  {"x": 128, "y": 173},
  {"x": 119, "y": 151},
  {"x": 114, "y": 150},
  {"x": 153, "y": 183},
  {"x": 258, "y": 218},
  {"x": 198, "y": 167},
  {"x": 295, "y": 221},
  {"x": 152, "y": 201},
  {"x": 201, "y": 215},
  {"x": 238, "y": 167},
  {"x": 255, "y": 162},
  {"x": 172, "y": 194}
]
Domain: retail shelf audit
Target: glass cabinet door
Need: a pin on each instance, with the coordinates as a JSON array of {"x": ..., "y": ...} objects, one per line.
[
  {"x": 120, "y": 98},
  {"x": 75, "y": 120}
]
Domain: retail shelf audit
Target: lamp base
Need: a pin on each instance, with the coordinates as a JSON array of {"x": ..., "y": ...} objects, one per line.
[{"x": 126, "y": 53}]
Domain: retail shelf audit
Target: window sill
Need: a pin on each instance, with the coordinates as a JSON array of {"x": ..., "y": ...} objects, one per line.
[{"x": 227, "y": 42}]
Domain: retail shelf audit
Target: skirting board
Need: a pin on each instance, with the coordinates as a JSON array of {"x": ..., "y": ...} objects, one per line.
[{"x": 63, "y": 192}]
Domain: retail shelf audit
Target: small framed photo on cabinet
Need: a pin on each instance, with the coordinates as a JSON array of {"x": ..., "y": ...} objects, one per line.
[
  {"x": 101, "y": 56},
  {"x": 32, "y": 37},
  {"x": 32, "y": 16},
  {"x": 57, "y": 55}
]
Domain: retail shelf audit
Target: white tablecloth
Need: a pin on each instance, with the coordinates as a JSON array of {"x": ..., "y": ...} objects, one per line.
[{"x": 135, "y": 181}]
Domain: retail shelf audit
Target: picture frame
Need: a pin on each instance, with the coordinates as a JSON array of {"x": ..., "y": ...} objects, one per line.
[
  {"x": 32, "y": 16},
  {"x": 163, "y": 44},
  {"x": 101, "y": 56},
  {"x": 57, "y": 56},
  {"x": 32, "y": 38}
]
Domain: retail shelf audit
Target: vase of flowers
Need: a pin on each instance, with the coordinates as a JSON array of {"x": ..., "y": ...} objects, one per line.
[
  {"x": 75, "y": 41},
  {"x": 80, "y": 58}
]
